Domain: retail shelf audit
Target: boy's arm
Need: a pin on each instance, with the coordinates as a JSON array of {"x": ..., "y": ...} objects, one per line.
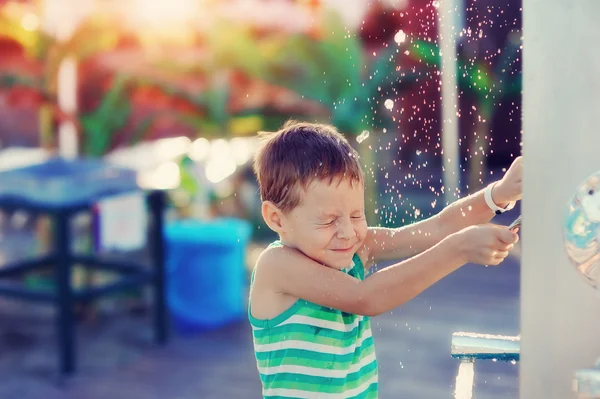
[
  {"x": 397, "y": 243},
  {"x": 384, "y": 243},
  {"x": 289, "y": 272}
]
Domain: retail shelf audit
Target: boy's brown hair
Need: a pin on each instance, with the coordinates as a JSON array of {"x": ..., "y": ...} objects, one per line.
[{"x": 299, "y": 153}]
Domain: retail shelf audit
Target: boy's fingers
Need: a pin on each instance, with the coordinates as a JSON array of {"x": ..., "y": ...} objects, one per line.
[
  {"x": 507, "y": 248},
  {"x": 501, "y": 255},
  {"x": 495, "y": 261},
  {"x": 507, "y": 236}
]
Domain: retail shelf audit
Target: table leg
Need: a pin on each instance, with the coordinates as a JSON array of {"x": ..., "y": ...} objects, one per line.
[
  {"x": 157, "y": 250},
  {"x": 66, "y": 320}
]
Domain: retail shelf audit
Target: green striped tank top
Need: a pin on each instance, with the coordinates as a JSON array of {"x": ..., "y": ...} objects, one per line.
[{"x": 312, "y": 351}]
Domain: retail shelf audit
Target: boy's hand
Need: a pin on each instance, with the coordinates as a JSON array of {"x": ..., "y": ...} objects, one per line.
[
  {"x": 485, "y": 244},
  {"x": 509, "y": 189}
]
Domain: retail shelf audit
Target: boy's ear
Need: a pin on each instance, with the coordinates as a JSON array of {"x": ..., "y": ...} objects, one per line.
[{"x": 273, "y": 216}]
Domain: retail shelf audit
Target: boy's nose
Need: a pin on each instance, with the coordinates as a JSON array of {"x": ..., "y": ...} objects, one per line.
[{"x": 345, "y": 229}]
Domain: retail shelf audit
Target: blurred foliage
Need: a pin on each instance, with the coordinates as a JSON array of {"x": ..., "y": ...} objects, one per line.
[
  {"x": 110, "y": 116},
  {"x": 34, "y": 42},
  {"x": 329, "y": 68},
  {"x": 477, "y": 76}
]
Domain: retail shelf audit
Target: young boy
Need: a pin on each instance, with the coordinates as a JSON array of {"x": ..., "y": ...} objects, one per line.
[{"x": 310, "y": 302}]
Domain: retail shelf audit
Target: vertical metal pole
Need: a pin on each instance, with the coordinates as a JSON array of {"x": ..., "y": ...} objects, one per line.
[
  {"x": 157, "y": 250},
  {"x": 447, "y": 12},
  {"x": 65, "y": 305}
]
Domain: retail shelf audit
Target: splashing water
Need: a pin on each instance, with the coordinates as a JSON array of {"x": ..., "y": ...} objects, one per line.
[
  {"x": 464, "y": 381},
  {"x": 363, "y": 136},
  {"x": 406, "y": 166}
]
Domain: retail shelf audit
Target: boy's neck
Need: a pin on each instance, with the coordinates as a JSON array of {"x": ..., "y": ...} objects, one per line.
[{"x": 287, "y": 243}]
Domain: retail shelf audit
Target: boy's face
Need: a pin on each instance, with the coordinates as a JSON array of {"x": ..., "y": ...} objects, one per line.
[{"x": 329, "y": 225}]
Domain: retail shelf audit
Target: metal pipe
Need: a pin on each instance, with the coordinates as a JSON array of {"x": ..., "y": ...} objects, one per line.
[
  {"x": 485, "y": 346},
  {"x": 447, "y": 12}
]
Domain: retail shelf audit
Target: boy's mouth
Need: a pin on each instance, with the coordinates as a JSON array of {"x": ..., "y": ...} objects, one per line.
[{"x": 342, "y": 250}]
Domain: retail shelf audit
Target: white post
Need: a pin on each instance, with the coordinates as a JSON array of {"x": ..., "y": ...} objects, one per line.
[
  {"x": 449, "y": 24},
  {"x": 67, "y": 101},
  {"x": 60, "y": 19},
  {"x": 560, "y": 311}
]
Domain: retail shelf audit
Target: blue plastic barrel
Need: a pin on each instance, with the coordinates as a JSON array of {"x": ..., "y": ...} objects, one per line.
[{"x": 206, "y": 275}]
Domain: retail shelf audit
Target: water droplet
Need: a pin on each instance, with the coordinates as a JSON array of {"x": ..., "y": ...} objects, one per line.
[
  {"x": 389, "y": 104},
  {"x": 400, "y": 37},
  {"x": 436, "y": 4},
  {"x": 363, "y": 136}
]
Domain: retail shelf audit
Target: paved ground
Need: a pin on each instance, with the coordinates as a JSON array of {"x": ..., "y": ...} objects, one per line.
[{"x": 117, "y": 359}]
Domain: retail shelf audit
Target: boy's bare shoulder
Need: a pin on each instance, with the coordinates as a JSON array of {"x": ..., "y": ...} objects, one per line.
[
  {"x": 268, "y": 294},
  {"x": 280, "y": 254},
  {"x": 273, "y": 260}
]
